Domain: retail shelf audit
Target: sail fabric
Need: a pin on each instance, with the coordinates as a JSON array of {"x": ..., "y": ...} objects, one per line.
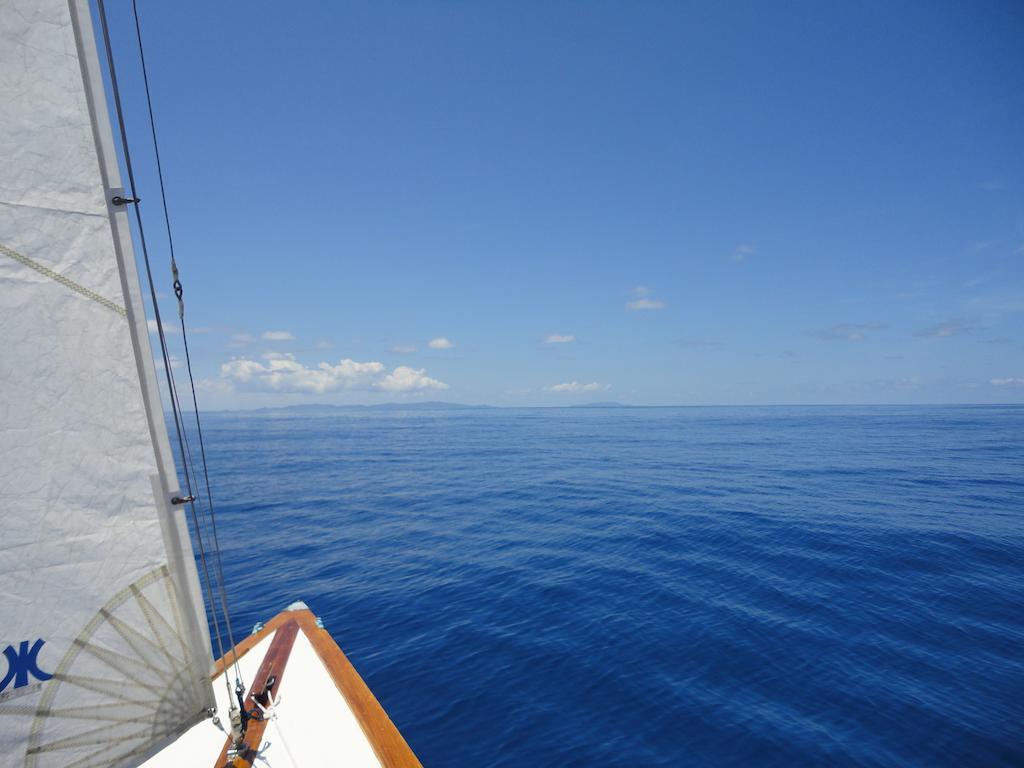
[{"x": 104, "y": 652}]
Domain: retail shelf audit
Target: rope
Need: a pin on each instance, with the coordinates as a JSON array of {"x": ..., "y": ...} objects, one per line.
[
  {"x": 65, "y": 281},
  {"x": 178, "y": 292},
  {"x": 175, "y": 406},
  {"x": 270, "y": 713}
]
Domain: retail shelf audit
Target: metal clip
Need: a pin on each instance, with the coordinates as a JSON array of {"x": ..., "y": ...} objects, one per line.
[
  {"x": 180, "y": 500},
  {"x": 118, "y": 200}
]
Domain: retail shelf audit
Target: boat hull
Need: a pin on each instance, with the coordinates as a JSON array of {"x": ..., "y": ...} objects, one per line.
[{"x": 319, "y": 711}]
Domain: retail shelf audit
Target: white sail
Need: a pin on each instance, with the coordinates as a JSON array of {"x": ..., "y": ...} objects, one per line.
[{"x": 105, "y": 651}]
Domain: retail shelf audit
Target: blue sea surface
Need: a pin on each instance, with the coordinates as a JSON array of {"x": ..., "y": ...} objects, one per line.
[{"x": 774, "y": 586}]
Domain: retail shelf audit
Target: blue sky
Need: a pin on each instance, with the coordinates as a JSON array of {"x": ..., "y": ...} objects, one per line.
[{"x": 655, "y": 203}]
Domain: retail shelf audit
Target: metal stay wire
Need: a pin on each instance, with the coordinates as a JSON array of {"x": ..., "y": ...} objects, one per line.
[
  {"x": 172, "y": 392},
  {"x": 218, "y": 560}
]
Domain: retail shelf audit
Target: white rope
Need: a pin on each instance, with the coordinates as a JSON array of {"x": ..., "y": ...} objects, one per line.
[
  {"x": 66, "y": 282},
  {"x": 270, "y": 713}
]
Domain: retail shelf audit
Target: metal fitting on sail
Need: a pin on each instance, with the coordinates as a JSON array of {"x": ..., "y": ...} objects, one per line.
[
  {"x": 118, "y": 200},
  {"x": 178, "y": 290},
  {"x": 183, "y": 499}
]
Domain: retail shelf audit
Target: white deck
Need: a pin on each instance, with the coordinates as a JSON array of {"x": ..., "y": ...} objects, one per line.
[{"x": 315, "y": 726}]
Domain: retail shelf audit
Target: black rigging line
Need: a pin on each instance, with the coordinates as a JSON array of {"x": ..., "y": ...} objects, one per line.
[
  {"x": 175, "y": 406},
  {"x": 218, "y": 561}
]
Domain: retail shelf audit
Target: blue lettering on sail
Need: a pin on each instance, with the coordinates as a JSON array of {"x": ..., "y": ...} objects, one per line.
[{"x": 22, "y": 663}]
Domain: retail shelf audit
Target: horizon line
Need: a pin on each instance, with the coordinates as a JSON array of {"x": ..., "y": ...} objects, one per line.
[{"x": 599, "y": 405}]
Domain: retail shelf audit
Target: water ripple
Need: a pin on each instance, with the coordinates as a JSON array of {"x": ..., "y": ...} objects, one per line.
[{"x": 652, "y": 587}]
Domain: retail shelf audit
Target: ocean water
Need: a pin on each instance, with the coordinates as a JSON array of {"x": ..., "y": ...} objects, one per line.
[{"x": 651, "y": 587}]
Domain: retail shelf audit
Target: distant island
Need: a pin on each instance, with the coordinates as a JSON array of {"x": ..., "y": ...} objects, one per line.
[
  {"x": 313, "y": 409},
  {"x": 322, "y": 409}
]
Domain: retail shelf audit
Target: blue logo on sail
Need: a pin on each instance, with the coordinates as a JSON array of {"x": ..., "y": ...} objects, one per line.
[{"x": 23, "y": 664}]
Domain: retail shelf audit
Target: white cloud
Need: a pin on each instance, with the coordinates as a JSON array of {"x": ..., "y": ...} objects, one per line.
[
  {"x": 278, "y": 372},
  {"x": 558, "y": 338},
  {"x": 403, "y": 349},
  {"x": 742, "y": 251},
  {"x": 214, "y": 386},
  {"x": 406, "y": 379},
  {"x": 848, "y": 331},
  {"x": 643, "y": 300},
  {"x": 1010, "y": 382},
  {"x": 906, "y": 383},
  {"x": 168, "y": 329},
  {"x": 575, "y": 386},
  {"x": 947, "y": 329},
  {"x": 645, "y": 304},
  {"x": 175, "y": 363},
  {"x": 440, "y": 343},
  {"x": 241, "y": 340},
  {"x": 277, "y": 336}
]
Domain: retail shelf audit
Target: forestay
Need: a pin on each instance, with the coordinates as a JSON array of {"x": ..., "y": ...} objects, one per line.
[{"x": 105, "y": 651}]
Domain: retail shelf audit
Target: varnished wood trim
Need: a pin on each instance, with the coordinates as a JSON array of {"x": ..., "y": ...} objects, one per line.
[
  {"x": 391, "y": 749},
  {"x": 244, "y": 646},
  {"x": 273, "y": 664}
]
